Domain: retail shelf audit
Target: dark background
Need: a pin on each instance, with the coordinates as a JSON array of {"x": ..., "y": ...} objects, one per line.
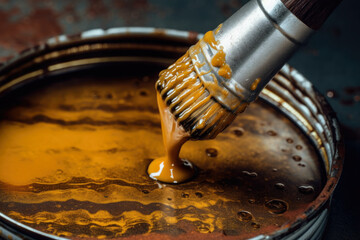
[{"x": 331, "y": 60}]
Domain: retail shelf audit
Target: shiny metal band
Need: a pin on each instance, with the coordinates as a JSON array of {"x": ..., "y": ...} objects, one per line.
[{"x": 257, "y": 40}]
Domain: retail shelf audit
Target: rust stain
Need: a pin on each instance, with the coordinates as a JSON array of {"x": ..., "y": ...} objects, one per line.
[
  {"x": 27, "y": 31},
  {"x": 133, "y": 12},
  {"x": 96, "y": 8},
  {"x": 352, "y": 90},
  {"x": 70, "y": 14}
]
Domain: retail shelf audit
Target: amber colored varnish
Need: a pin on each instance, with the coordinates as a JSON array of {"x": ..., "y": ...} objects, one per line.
[
  {"x": 170, "y": 168},
  {"x": 184, "y": 99},
  {"x": 74, "y": 156}
]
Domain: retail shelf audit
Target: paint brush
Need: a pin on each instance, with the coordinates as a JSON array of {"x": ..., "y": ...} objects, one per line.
[{"x": 227, "y": 69}]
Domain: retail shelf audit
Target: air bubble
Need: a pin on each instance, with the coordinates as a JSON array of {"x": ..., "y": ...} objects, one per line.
[
  {"x": 59, "y": 171},
  {"x": 145, "y": 191},
  {"x": 143, "y": 93},
  {"x": 238, "y": 132},
  {"x": 289, "y": 140},
  {"x": 274, "y": 169},
  {"x": 252, "y": 201},
  {"x": 211, "y": 152},
  {"x": 244, "y": 216},
  {"x": 276, "y": 206},
  {"x": 271, "y": 133},
  {"x": 306, "y": 189},
  {"x": 280, "y": 186},
  {"x": 185, "y": 195},
  {"x": 255, "y": 225},
  {"x": 203, "y": 229},
  {"x": 296, "y": 158},
  {"x": 298, "y": 147},
  {"x": 301, "y": 165},
  {"x": 199, "y": 194}
]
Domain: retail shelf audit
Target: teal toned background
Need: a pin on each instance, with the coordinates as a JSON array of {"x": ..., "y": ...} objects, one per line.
[{"x": 331, "y": 61}]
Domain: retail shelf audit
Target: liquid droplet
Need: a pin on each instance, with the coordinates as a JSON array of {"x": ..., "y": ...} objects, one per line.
[
  {"x": 271, "y": 133},
  {"x": 275, "y": 170},
  {"x": 289, "y": 140},
  {"x": 250, "y": 174},
  {"x": 280, "y": 186},
  {"x": 59, "y": 172},
  {"x": 276, "y": 206},
  {"x": 255, "y": 225},
  {"x": 238, "y": 132},
  {"x": 306, "y": 189},
  {"x": 296, "y": 158},
  {"x": 244, "y": 216},
  {"x": 211, "y": 152}
]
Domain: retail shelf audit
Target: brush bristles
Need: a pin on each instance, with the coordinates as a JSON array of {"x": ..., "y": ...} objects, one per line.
[{"x": 188, "y": 100}]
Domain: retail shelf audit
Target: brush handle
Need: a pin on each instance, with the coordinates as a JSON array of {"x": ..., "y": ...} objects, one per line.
[
  {"x": 257, "y": 40},
  {"x": 228, "y": 67},
  {"x": 311, "y": 12}
]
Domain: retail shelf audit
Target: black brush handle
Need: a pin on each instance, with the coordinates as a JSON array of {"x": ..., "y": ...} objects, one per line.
[{"x": 312, "y": 12}]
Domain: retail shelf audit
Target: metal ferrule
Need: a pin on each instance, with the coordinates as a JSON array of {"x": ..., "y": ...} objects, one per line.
[{"x": 257, "y": 40}]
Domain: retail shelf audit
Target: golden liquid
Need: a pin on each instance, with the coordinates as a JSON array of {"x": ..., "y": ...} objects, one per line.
[
  {"x": 170, "y": 168},
  {"x": 74, "y": 157},
  {"x": 180, "y": 88}
]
